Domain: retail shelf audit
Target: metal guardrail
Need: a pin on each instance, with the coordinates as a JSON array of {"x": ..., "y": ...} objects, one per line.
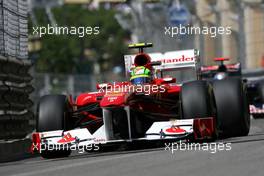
[
  {"x": 15, "y": 150},
  {"x": 15, "y": 104}
]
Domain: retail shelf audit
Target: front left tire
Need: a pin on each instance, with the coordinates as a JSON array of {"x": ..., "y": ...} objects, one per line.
[{"x": 53, "y": 113}]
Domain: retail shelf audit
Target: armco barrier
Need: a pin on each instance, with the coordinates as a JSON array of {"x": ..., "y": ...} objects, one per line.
[
  {"x": 14, "y": 150},
  {"x": 15, "y": 104}
]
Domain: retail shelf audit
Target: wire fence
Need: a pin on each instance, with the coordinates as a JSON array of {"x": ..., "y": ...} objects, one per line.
[
  {"x": 15, "y": 81},
  {"x": 14, "y": 28}
]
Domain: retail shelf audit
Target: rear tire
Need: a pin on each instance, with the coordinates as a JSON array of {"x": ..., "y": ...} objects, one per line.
[
  {"x": 232, "y": 107},
  {"x": 53, "y": 113}
]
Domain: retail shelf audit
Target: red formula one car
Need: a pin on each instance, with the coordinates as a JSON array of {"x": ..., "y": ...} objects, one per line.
[{"x": 164, "y": 108}]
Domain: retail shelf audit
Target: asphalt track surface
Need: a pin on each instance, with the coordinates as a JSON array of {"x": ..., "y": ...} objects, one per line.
[{"x": 246, "y": 157}]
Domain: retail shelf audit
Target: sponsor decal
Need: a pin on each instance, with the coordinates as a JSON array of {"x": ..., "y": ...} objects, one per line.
[
  {"x": 139, "y": 71},
  {"x": 177, "y": 60},
  {"x": 99, "y": 140},
  {"x": 111, "y": 99},
  {"x": 175, "y": 129},
  {"x": 66, "y": 139}
]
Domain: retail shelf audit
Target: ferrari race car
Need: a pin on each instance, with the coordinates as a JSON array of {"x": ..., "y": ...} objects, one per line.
[
  {"x": 160, "y": 110},
  {"x": 254, "y": 83}
]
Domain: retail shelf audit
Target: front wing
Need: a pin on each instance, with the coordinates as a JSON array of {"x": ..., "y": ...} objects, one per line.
[{"x": 195, "y": 129}]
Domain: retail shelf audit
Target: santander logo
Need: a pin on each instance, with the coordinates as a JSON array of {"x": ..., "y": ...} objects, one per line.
[{"x": 176, "y": 60}]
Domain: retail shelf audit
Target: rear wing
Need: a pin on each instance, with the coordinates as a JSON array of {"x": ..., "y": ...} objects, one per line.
[
  {"x": 169, "y": 60},
  {"x": 230, "y": 68}
]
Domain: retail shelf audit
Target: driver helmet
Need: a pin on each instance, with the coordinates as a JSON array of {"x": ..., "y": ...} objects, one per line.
[{"x": 140, "y": 75}]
